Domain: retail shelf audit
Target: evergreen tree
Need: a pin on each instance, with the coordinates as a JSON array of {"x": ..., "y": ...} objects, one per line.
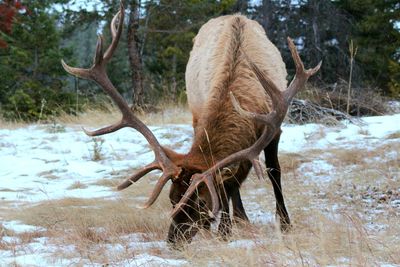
[
  {"x": 170, "y": 28},
  {"x": 378, "y": 40},
  {"x": 31, "y": 75}
]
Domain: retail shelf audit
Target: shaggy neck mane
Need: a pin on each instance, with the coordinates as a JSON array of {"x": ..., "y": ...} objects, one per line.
[{"x": 221, "y": 131}]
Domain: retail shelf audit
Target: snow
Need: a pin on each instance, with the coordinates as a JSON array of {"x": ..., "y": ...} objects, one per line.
[
  {"x": 320, "y": 167},
  {"x": 372, "y": 130},
  {"x": 39, "y": 163},
  {"x": 149, "y": 260},
  {"x": 19, "y": 227}
]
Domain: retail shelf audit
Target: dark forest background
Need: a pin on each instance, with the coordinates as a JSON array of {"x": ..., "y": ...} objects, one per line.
[{"x": 358, "y": 41}]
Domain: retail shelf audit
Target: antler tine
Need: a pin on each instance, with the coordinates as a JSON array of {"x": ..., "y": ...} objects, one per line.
[
  {"x": 115, "y": 32},
  {"x": 263, "y": 118},
  {"x": 98, "y": 55},
  {"x": 98, "y": 74},
  {"x": 157, "y": 190},
  {"x": 301, "y": 76},
  {"x": 105, "y": 130},
  {"x": 295, "y": 55},
  {"x": 81, "y": 73},
  {"x": 258, "y": 168},
  {"x": 113, "y": 28},
  {"x": 136, "y": 176},
  {"x": 207, "y": 178},
  {"x": 269, "y": 86}
]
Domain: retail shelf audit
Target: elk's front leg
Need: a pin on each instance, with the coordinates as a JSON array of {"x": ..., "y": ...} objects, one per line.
[
  {"x": 274, "y": 174},
  {"x": 239, "y": 214},
  {"x": 225, "y": 225}
]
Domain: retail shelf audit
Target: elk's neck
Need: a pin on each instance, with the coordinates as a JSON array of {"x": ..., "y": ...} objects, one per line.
[{"x": 220, "y": 130}]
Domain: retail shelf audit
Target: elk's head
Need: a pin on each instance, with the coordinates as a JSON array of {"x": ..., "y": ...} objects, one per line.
[{"x": 193, "y": 216}]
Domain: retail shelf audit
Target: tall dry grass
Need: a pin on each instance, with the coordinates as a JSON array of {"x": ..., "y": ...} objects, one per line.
[{"x": 165, "y": 113}]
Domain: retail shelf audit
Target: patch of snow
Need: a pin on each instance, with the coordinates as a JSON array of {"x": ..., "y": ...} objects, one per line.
[
  {"x": 319, "y": 170},
  {"x": 257, "y": 214},
  {"x": 394, "y": 106},
  {"x": 19, "y": 227},
  {"x": 371, "y": 130},
  {"x": 150, "y": 260},
  {"x": 245, "y": 243},
  {"x": 39, "y": 165},
  {"x": 36, "y": 253}
]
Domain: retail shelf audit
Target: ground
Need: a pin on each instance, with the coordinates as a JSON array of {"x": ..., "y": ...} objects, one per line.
[{"x": 59, "y": 206}]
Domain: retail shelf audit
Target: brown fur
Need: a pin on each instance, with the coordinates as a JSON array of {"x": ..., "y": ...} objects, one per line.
[{"x": 219, "y": 129}]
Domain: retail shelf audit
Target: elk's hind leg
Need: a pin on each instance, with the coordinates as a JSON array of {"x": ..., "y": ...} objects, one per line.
[{"x": 274, "y": 174}]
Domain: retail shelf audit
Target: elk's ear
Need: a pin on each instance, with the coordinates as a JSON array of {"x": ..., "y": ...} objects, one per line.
[
  {"x": 177, "y": 158},
  {"x": 186, "y": 161}
]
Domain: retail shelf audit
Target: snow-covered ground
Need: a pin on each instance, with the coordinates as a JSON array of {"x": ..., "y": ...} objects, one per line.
[{"x": 48, "y": 162}]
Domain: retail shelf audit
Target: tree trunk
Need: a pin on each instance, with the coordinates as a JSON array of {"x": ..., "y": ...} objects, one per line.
[
  {"x": 173, "y": 86},
  {"x": 267, "y": 15},
  {"x": 240, "y": 6},
  {"x": 316, "y": 31},
  {"x": 135, "y": 60}
]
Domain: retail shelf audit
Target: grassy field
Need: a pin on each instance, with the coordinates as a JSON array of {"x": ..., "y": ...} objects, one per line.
[{"x": 343, "y": 199}]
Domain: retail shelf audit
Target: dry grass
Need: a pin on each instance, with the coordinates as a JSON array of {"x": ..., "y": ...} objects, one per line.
[
  {"x": 77, "y": 185},
  {"x": 167, "y": 114},
  {"x": 90, "y": 225},
  {"x": 49, "y": 174},
  {"x": 316, "y": 241},
  {"x": 4, "y": 124},
  {"x": 290, "y": 162},
  {"x": 119, "y": 216},
  {"x": 363, "y": 102},
  {"x": 350, "y": 221},
  {"x": 395, "y": 135},
  {"x": 113, "y": 183}
]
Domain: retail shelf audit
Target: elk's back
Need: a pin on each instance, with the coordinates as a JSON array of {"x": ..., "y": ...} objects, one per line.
[{"x": 212, "y": 51}]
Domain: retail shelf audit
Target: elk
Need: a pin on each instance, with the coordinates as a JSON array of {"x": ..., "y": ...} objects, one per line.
[{"x": 238, "y": 95}]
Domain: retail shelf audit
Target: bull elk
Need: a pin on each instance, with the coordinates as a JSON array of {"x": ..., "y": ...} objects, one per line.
[{"x": 238, "y": 95}]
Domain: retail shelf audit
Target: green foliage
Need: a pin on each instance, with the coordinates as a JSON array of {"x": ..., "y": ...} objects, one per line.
[
  {"x": 394, "y": 75},
  {"x": 170, "y": 28},
  {"x": 33, "y": 85},
  {"x": 378, "y": 40},
  {"x": 32, "y": 80}
]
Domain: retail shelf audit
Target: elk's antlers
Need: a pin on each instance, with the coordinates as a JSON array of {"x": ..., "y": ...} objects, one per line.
[{"x": 98, "y": 74}]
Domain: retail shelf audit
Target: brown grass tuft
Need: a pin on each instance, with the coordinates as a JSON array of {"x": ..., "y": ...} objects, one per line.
[
  {"x": 395, "y": 135},
  {"x": 77, "y": 185}
]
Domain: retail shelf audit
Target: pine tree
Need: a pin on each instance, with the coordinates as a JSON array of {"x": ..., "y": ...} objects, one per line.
[
  {"x": 31, "y": 84},
  {"x": 377, "y": 37}
]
